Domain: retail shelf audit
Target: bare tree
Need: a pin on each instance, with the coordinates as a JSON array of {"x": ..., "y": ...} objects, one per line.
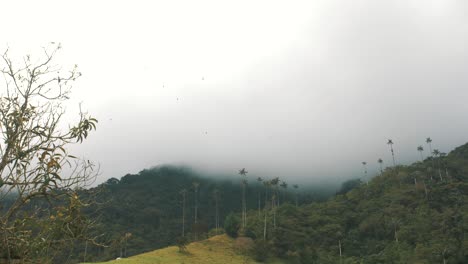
[{"x": 35, "y": 165}]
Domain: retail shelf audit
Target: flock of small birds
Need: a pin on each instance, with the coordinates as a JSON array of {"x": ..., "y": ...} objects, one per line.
[{"x": 177, "y": 98}]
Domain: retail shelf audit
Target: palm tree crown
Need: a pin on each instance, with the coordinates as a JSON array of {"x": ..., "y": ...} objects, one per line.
[
  {"x": 380, "y": 161},
  {"x": 243, "y": 172},
  {"x": 421, "y": 149}
]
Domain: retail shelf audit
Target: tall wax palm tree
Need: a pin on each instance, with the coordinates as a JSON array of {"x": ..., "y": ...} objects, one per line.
[
  {"x": 421, "y": 149},
  {"x": 196, "y": 185},
  {"x": 274, "y": 184},
  {"x": 364, "y": 164},
  {"x": 390, "y": 143},
  {"x": 380, "y": 161},
  {"x": 183, "y": 192},
  {"x": 429, "y": 142},
  {"x": 295, "y": 186},
  {"x": 436, "y": 154},
  {"x": 243, "y": 173},
  {"x": 259, "y": 180}
]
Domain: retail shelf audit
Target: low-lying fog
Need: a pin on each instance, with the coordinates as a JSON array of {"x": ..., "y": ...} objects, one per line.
[{"x": 305, "y": 90}]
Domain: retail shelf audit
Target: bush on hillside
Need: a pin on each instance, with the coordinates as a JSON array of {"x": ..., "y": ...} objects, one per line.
[
  {"x": 260, "y": 250},
  {"x": 232, "y": 225}
]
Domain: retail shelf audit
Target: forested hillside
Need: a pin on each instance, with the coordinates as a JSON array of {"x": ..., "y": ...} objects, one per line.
[
  {"x": 143, "y": 212},
  {"x": 408, "y": 214}
]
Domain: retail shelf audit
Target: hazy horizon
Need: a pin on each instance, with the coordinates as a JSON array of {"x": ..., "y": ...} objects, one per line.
[{"x": 301, "y": 90}]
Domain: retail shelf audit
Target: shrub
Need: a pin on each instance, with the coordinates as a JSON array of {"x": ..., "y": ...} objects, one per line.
[
  {"x": 232, "y": 225},
  {"x": 182, "y": 244},
  {"x": 260, "y": 250}
]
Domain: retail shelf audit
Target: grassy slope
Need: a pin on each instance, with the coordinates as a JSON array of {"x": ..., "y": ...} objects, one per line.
[{"x": 218, "y": 249}]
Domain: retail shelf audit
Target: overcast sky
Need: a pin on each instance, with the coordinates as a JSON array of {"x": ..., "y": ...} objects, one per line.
[{"x": 297, "y": 89}]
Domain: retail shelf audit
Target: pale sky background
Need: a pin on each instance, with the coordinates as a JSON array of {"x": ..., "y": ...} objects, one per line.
[{"x": 296, "y": 89}]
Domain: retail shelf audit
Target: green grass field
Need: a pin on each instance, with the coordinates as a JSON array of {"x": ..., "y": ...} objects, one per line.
[{"x": 218, "y": 249}]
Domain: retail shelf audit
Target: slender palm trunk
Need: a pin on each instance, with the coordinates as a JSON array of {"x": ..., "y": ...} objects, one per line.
[
  {"x": 432, "y": 159},
  {"x": 125, "y": 246},
  {"x": 85, "y": 251},
  {"x": 274, "y": 211},
  {"x": 430, "y": 147},
  {"x": 422, "y": 158},
  {"x": 365, "y": 175},
  {"x": 217, "y": 214},
  {"x": 278, "y": 193},
  {"x": 244, "y": 217},
  {"x": 425, "y": 189},
  {"x": 265, "y": 224},
  {"x": 443, "y": 256},
  {"x": 396, "y": 234},
  {"x": 339, "y": 245},
  {"x": 266, "y": 213},
  {"x": 259, "y": 203},
  {"x": 183, "y": 215},
  {"x": 393, "y": 156},
  {"x": 196, "y": 206},
  {"x": 440, "y": 173}
]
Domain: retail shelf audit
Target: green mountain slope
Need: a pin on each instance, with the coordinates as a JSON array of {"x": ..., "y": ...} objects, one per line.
[
  {"x": 148, "y": 205},
  {"x": 409, "y": 214}
]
